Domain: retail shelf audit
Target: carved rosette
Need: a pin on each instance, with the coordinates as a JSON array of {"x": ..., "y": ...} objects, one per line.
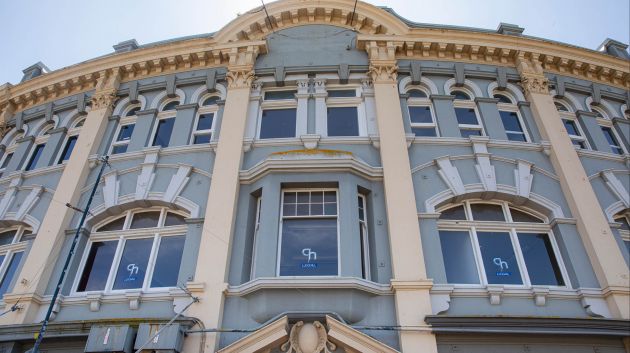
[
  {"x": 103, "y": 100},
  {"x": 533, "y": 83},
  {"x": 240, "y": 78},
  {"x": 308, "y": 338},
  {"x": 383, "y": 73}
]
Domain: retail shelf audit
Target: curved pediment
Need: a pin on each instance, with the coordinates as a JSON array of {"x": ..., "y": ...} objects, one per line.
[{"x": 255, "y": 25}]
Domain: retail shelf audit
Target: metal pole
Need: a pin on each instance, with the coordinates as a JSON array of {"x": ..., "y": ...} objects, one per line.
[{"x": 42, "y": 330}]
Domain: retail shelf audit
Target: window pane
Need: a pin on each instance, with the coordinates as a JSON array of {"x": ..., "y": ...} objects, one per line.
[
  {"x": 519, "y": 216},
  {"x": 309, "y": 247},
  {"x": 113, "y": 225},
  {"x": 416, "y": 93},
  {"x": 420, "y": 115},
  {"x": 119, "y": 149},
  {"x": 466, "y": 116},
  {"x": 503, "y": 99},
  {"x": 277, "y": 95},
  {"x": 67, "y": 151},
  {"x": 7, "y": 238},
  {"x": 624, "y": 222},
  {"x": 612, "y": 141},
  {"x": 510, "y": 121},
  {"x": 35, "y": 157},
  {"x": 424, "y": 131},
  {"x": 205, "y": 121},
  {"x": 540, "y": 259},
  {"x": 460, "y": 95},
  {"x": 27, "y": 235},
  {"x": 515, "y": 136},
  {"x": 277, "y": 123},
  {"x": 454, "y": 213},
  {"x": 169, "y": 258},
  {"x": 498, "y": 258},
  {"x": 199, "y": 139},
  {"x": 133, "y": 264},
  {"x": 173, "y": 219},
  {"x": 459, "y": 260},
  {"x": 469, "y": 132},
  {"x": 487, "y": 212},
  {"x": 578, "y": 143},
  {"x": 170, "y": 106},
  {"x": 343, "y": 121},
  {"x": 97, "y": 266},
  {"x": 6, "y": 161},
  {"x": 341, "y": 93},
  {"x": 125, "y": 132},
  {"x": 164, "y": 131},
  {"x": 145, "y": 220},
  {"x": 10, "y": 272},
  {"x": 571, "y": 127}
]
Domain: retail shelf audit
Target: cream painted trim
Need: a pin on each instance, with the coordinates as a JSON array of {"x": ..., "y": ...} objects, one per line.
[
  {"x": 348, "y": 337},
  {"x": 405, "y": 84},
  {"x": 574, "y": 103},
  {"x": 158, "y": 100},
  {"x": 608, "y": 109},
  {"x": 309, "y": 282},
  {"x": 122, "y": 104},
  {"x": 263, "y": 338},
  {"x": 202, "y": 92},
  {"x": 614, "y": 208},
  {"x": 512, "y": 89},
  {"x": 449, "y": 85}
]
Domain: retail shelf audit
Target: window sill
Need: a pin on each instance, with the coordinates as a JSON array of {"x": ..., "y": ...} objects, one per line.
[
  {"x": 604, "y": 155},
  {"x": 309, "y": 283},
  {"x": 132, "y": 297}
]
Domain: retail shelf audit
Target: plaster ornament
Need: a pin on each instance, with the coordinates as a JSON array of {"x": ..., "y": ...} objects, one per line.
[{"x": 308, "y": 338}]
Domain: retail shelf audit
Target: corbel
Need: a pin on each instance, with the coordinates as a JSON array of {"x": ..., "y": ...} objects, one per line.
[
  {"x": 460, "y": 76},
  {"x": 310, "y": 141},
  {"x": 279, "y": 75},
  {"x": 94, "y": 298},
  {"x": 416, "y": 72},
  {"x": 495, "y": 293},
  {"x": 48, "y": 112},
  {"x": 133, "y": 296},
  {"x": 540, "y": 295},
  {"x": 344, "y": 73},
  {"x": 19, "y": 121},
  {"x": 501, "y": 78},
  {"x": 133, "y": 92},
  {"x": 170, "y": 86},
  {"x": 81, "y": 103},
  {"x": 375, "y": 140},
  {"x": 211, "y": 80},
  {"x": 485, "y": 170},
  {"x": 248, "y": 144},
  {"x": 596, "y": 93}
]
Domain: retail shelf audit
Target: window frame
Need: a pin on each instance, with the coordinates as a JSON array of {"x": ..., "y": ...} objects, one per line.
[
  {"x": 624, "y": 234},
  {"x": 128, "y": 120},
  {"x": 365, "y": 240},
  {"x": 421, "y": 102},
  {"x": 513, "y": 108},
  {"x": 205, "y": 109},
  {"x": 163, "y": 115},
  {"x": 11, "y": 148},
  {"x": 73, "y": 131},
  {"x": 121, "y": 237},
  {"x": 570, "y": 115},
  {"x": 17, "y": 245},
  {"x": 41, "y": 139},
  {"x": 472, "y": 227},
  {"x": 255, "y": 237},
  {"x": 276, "y": 104},
  {"x": 281, "y": 223},
  {"x": 468, "y": 104},
  {"x": 347, "y": 102},
  {"x": 604, "y": 121}
]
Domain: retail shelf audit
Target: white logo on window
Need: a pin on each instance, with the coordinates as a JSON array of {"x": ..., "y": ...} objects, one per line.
[
  {"x": 499, "y": 262},
  {"x": 309, "y": 254},
  {"x": 133, "y": 269}
]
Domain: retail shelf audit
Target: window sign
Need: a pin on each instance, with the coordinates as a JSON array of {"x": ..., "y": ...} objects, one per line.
[
  {"x": 499, "y": 259},
  {"x": 133, "y": 264}
]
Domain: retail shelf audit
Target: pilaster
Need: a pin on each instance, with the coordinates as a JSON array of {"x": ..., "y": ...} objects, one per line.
[
  {"x": 603, "y": 252},
  {"x": 212, "y": 266},
  {"x": 36, "y": 273},
  {"x": 409, "y": 282}
]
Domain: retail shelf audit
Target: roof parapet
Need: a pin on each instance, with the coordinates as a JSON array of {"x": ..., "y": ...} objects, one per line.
[
  {"x": 34, "y": 70},
  {"x": 510, "y": 29},
  {"x": 614, "y": 48},
  {"x": 125, "y": 46}
]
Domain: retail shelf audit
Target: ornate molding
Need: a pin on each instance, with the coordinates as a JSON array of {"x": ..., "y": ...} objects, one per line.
[
  {"x": 308, "y": 338},
  {"x": 103, "y": 100},
  {"x": 534, "y": 83},
  {"x": 383, "y": 73},
  {"x": 241, "y": 78}
]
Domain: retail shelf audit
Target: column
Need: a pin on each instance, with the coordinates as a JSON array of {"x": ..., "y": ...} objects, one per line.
[
  {"x": 602, "y": 250},
  {"x": 212, "y": 265},
  {"x": 490, "y": 118},
  {"x": 301, "y": 114},
  {"x": 321, "y": 111},
  {"x": 409, "y": 282},
  {"x": 36, "y": 271}
]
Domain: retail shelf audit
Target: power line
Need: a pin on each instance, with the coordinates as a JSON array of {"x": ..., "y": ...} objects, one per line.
[{"x": 267, "y": 13}]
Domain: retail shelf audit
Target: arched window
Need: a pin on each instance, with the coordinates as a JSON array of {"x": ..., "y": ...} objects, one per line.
[
  {"x": 421, "y": 115},
  {"x": 71, "y": 140},
  {"x": 606, "y": 125},
  {"x": 503, "y": 98},
  {"x": 624, "y": 219},
  {"x": 38, "y": 148},
  {"x": 141, "y": 249},
  {"x": 466, "y": 113},
  {"x": 511, "y": 118},
  {"x": 561, "y": 107},
  {"x": 9, "y": 151},
  {"x": 460, "y": 95},
  {"x": 13, "y": 242},
  {"x": 205, "y": 120},
  {"x": 498, "y": 244},
  {"x": 571, "y": 124},
  {"x": 164, "y": 126}
]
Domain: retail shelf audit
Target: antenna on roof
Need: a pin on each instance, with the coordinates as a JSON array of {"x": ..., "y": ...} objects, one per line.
[
  {"x": 266, "y": 13},
  {"x": 353, "y": 12}
]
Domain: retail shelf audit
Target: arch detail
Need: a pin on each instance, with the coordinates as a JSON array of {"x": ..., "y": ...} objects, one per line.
[
  {"x": 125, "y": 102},
  {"x": 161, "y": 98},
  {"x": 449, "y": 85},
  {"x": 405, "y": 84},
  {"x": 202, "y": 92},
  {"x": 511, "y": 89}
]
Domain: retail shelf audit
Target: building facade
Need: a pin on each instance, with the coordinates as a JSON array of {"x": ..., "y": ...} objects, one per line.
[{"x": 316, "y": 177}]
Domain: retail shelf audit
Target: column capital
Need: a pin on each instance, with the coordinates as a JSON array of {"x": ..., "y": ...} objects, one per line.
[
  {"x": 106, "y": 87},
  {"x": 240, "y": 77},
  {"x": 532, "y": 74},
  {"x": 383, "y": 72}
]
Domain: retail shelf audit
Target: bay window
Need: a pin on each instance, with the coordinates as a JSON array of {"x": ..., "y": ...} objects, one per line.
[
  {"x": 498, "y": 244},
  {"x": 141, "y": 250}
]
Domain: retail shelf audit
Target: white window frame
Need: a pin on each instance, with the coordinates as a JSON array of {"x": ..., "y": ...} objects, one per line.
[
  {"x": 347, "y": 102},
  {"x": 468, "y": 104},
  {"x": 625, "y": 234},
  {"x": 121, "y": 237},
  {"x": 365, "y": 241},
  {"x": 510, "y": 227},
  {"x": 129, "y": 120},
  {"x": 208, "y": 109},
  {"x": 605, "y": 121},
  {"x": 421, "y": 102},
  {"x": 282, "y": 217},
  {"x": 17, "y": 245},
  {"x": 42, "y": 138},
  {"x": 162, "y": 115},
  {"x": 11, "y": 148},
  {"x": 255, "y": 238},
  {"x": 74, "y": 130},
  {"x": 570, "y": 115},
  {"x": 277, "y": 104},
  {"x": 512, "y": 108}
]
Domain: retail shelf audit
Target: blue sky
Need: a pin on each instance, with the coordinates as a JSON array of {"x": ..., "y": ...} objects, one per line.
[{"x": 64, "y": 32}]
